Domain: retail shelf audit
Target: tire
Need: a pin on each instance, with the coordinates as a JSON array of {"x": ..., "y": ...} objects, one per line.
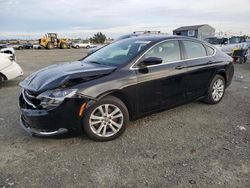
[
  {"x": 63, "y": 46},
  {"x": 245, "y": 59},
  {"x": 77, "y": 47},
  {"x": 50, "y": 45},
  {"x": 109, "y": 128},
  {"x": 241, "y": 60},
  {"x": 215, "y": 96},
  {"x": 87, "y": 47},
  {"x": 20, "y": 48}
]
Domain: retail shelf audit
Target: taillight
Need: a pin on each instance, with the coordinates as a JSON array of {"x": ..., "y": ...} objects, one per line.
[{"x": 12, "y": 57}]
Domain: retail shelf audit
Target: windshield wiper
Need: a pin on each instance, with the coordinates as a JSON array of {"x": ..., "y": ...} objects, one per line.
[{"x": 95, "y": 62}]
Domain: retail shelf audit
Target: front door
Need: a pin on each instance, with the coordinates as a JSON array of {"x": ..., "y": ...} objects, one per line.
[{"x": 161, "y": 86}]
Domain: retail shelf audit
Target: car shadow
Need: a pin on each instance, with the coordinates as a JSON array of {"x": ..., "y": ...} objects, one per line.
[{"x": 10, "y": 83}]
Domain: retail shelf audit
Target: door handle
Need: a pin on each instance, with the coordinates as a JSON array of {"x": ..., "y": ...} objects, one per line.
[
  {"x": 210, "y": 62},
  {"x": 179, "y": 67}
]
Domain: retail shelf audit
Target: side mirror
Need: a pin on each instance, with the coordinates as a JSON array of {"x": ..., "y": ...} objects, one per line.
[{"x": 150, "y": 61}]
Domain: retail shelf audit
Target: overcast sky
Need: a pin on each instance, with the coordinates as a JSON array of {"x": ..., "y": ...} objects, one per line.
[{"x": 82, "y": 18}]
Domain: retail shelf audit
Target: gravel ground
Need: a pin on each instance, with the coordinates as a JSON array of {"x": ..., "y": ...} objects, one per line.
[{"x": 194, "y": 145}]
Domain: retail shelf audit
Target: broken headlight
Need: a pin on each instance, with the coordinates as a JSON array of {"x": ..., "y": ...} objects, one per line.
[{"x": 53, "y": 98}]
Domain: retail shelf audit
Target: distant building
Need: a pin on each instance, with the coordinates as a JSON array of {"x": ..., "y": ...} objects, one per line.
[{"x": 197, "y": 31}]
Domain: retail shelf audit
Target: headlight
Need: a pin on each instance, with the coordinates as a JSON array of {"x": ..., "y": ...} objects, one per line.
[{"x": 53, "y": 98}]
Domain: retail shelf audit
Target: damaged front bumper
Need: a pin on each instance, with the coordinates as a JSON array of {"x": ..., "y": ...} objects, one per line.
[
  {"x": 59, "y": 120},
  {"x": 40, "y": 133}
]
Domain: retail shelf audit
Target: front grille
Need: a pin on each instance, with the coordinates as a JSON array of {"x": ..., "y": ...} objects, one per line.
[{"x": 30, "y": 98}]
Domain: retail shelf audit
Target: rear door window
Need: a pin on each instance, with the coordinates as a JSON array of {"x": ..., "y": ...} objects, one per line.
[
  {"x": 194, "y": 49},
  {"x": 210, "y": 51}
]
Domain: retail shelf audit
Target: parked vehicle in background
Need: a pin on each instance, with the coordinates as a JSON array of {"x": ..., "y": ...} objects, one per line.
[
  {"x": 37, "y": 46},
  {"x": 16, "y": 46},
  {"x": 7, "y": 50},
  {"x": 9, "y": 69},
  {"x": 122, "y": 81},
  {"x": 51, "y": 40},
  {"x": 82, "y": 44},
  {"x": 235, "y": 46},
  {"x": 216, "y": 41},
  {"x": 3, "y": 46},
  {"x": 27, "y": 46},
  {"x": 248, "y": 42},
  {"x": 131, "y": 35}
]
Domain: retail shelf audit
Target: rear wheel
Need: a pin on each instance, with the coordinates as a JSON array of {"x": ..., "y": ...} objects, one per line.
[
  {"x": 77, "y": 46},
  {"x": 50, "y": 45},
  {"x": 106, "y": 120},
  {"x": 216, "y": 90}
]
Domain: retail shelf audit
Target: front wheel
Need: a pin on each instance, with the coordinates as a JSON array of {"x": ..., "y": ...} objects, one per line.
[
  {"x": 50, "y": 45},
  {"x": 106, "y": 120},
  {"x": 63, "y": 46},
  {"x": 216, "y": 90}
]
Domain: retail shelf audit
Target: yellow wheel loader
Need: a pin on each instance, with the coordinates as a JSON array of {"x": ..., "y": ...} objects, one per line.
[{"x": 50, "y": 41}]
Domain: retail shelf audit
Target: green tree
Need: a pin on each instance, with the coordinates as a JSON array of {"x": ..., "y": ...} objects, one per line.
[{"x": 98, "y": 38}]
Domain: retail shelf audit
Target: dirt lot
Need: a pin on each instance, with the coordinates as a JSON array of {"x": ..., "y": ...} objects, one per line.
[{"x": 194, "y": 145}]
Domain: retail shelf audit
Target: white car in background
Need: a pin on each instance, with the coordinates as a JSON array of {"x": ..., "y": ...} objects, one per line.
[
  {"x": 235, "y": 46},
  {"x": 81, "y": 44},
  {"x": 248, "y": 42},
  {"x": 235, "y": 43},
  {"x": 7, "y": 50},
  {"x": 9, "y": 69}
]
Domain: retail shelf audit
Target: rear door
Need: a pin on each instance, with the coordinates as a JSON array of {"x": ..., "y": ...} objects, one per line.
[{"x": 200, "y": 68}]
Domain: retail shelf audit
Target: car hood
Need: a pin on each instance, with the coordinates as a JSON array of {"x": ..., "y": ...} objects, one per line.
[{"x": 56, "y": 75}]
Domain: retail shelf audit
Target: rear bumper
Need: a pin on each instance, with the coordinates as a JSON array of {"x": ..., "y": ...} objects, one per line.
[
  {"x": 13, "y": 71},
  {"x": 229, "y": 74}
]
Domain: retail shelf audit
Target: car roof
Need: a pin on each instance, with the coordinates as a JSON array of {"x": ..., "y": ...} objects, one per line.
[
  {"x": 215, "y": 37},
  {"x": 158, "y": 37}
]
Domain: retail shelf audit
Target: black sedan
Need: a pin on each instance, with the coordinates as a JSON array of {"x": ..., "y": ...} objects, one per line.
[{"x": 123, "y": 81}]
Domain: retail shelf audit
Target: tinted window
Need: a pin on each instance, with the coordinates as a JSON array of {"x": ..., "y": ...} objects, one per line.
[
  {"x": 194, "y": 49},
  {"x": 169, "y": 51}
]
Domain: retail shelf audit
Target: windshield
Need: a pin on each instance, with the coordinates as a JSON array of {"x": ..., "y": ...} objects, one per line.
[
  {"x": 235, "y": 40},
  {"x": 118, "y": 53}
]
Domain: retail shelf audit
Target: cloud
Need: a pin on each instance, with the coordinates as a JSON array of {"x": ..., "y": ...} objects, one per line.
[{"x": 83, "y": 17}]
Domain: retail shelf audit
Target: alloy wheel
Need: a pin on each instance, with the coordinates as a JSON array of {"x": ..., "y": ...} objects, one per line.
[
  {"x": 218, "y": 89},
  {"x": 106, "y": 120}
]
